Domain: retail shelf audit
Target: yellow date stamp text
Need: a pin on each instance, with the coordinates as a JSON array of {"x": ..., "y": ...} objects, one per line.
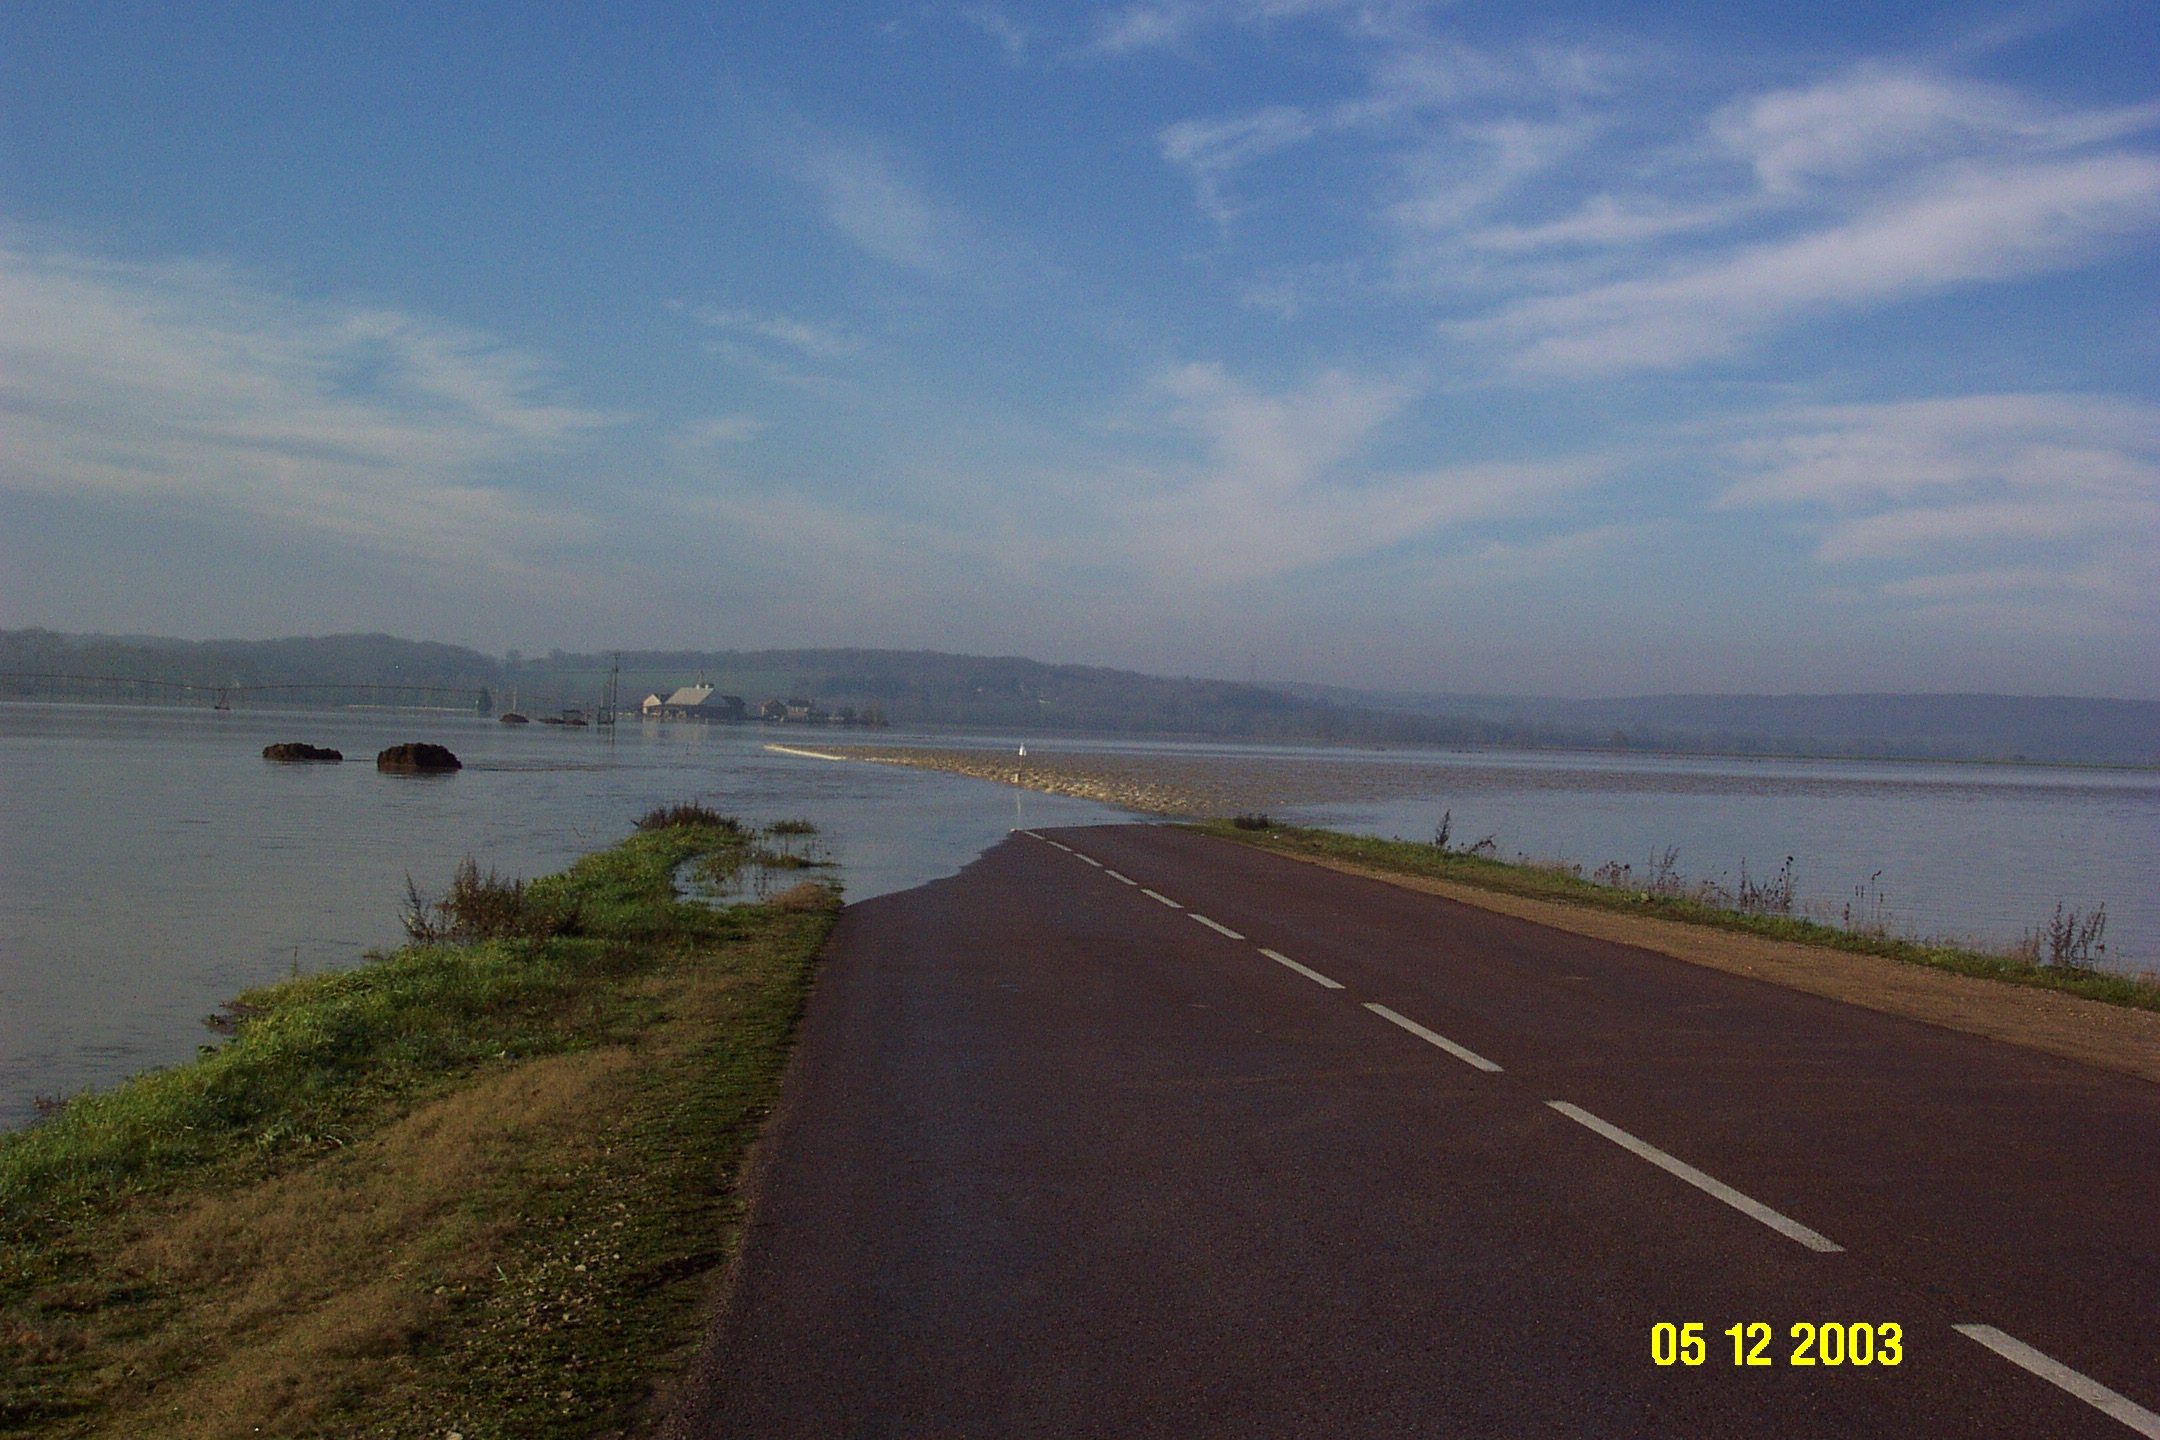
[{"x": 1830, "y": 1343}]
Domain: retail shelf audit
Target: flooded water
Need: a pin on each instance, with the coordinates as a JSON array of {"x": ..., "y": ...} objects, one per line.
[
  {"x": 1976, "y": 854},
  {"x": 152, "y": 864}
]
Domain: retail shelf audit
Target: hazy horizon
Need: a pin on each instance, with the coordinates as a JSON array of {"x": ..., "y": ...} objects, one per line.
[{"x": 1564, "y": 351}]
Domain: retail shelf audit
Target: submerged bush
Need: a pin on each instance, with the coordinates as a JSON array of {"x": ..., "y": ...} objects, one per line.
[{"x": 689, "y": 812}]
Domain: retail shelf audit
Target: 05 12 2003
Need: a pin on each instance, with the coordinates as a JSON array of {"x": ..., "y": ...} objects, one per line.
[{"x": 1830, "y": 1343}]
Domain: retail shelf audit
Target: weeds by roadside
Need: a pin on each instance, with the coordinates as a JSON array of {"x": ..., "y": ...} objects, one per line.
[
  {"x": 1662, "y": 894},
  {"x": 2067, "y": 941},
  {"x": 1444, "y": 833}
]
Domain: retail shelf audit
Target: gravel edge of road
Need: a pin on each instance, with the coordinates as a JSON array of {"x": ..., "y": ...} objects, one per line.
[{"x": 2110, "y": 1037}]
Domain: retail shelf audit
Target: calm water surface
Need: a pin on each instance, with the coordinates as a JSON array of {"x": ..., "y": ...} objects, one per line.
[
  {"x": 152, "y": 864},
  {"x": 1972, "y": 853}
]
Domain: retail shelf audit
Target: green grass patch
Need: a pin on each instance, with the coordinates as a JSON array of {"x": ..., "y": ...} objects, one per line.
[
  {"x": 1536, "y": 882},
  {"x": 476, "y": 1184}
]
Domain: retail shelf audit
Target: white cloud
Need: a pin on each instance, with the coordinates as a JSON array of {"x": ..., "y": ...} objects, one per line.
[
  {"x": 1214, "y": 149},
  {"x": 870, "y": 201},
  {"x": 1277, "y": 491},
  {"x": 1603, "y": 222},
  {"x": 718, "y": 430},
  {"x": 1457, "y": 180},
  {"x": 1875, "y": 120},
  {"x": 1981, "y": 223},
  {"x": 1983, "y": 495},
  {"x": 1584, "y": 211},
  {"x": 819, "y": 342},
  {"x": 1167, "y": 24},
  {"x": 184, "y": 382}
]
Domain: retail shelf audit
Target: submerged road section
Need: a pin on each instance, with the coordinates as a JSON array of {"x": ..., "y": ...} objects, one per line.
[{"x": 1127, "y": 1131}]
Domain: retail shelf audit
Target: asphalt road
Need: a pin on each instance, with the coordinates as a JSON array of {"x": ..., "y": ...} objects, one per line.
[{"x": 1068, "y": 1150}]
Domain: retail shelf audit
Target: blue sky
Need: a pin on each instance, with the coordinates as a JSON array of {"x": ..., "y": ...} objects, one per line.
[{"x": 1573, "y": 349}]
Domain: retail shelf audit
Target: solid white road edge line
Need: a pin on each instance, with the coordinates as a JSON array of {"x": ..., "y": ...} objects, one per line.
[
  {"x": 1121, "y": 879},
  {"x": 2091, "y": 1391},
  {"x": 1468, "y": 1057},
  {"x": 1216, "y": 926},
  {"x": 1753, "y": 1209},
  {"x": 1152, "y": 895},
  {"x": 1309, "y": 974}
]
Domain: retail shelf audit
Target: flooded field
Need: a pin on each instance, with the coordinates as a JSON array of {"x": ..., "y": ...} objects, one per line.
[{"x": 152, "y": 864}]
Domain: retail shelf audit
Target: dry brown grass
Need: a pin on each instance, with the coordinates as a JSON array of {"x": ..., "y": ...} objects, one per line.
[
  {"x": 799, "y": 898},
  {"x": 312, "y": 1287},
  {"x": 319, "y": 1282},
  {"x": 521, "y": 1253}
]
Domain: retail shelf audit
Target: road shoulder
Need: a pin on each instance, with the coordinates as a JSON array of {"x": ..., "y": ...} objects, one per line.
[{"x": 2111, "y": 1037}]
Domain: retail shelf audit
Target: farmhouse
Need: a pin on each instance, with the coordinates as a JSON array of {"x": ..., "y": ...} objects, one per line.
[{"x": 696, "y": 702}]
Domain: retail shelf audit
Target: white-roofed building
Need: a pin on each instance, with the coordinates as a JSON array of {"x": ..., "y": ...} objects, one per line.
[{"x": 695, "y": 702}]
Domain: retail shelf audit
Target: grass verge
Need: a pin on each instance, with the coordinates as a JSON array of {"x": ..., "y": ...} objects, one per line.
[
  {"x": 1405, "y": 857},
  {"x": 478, "y": 1185}
]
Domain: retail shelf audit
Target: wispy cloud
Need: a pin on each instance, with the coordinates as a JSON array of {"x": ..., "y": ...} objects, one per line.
[
  {"x": 865, "y": 194},
  {"x": 720, "y": 430},
  {"x": 1277, "y": 489},
  {"x": 1213, "y": 150},
  {"x": 187, "y": 382},
  {"x": 1584, "y": 210},
  {"x": 818, "y": 341},
  {"x": 1979, "y": 223},
  {"x": 1880, "y": 122},
  {"x": 1167, "y": 24},
  {"x": 1983, "y": 495}
]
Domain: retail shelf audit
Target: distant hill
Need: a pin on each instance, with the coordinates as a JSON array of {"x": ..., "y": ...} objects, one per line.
[
  {"x": 329, "y": 659},
  {"x": 1016, "y": 695}
]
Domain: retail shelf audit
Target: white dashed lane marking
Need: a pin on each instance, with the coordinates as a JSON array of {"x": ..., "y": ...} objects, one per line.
[
  {"x": 1090, "y": 860},
  {"x": 1066, "y": 848},
  {"x": 2091, "y": 1391},
  {"x": 1155, "y": 895},
  {"x": 1753, "y": 1209},
  {"x": 1218, "y": 927},
  {"x": 1121, "y": 879},
  {"x": 1307, "y": 972},
  {"x": 1468, "y": 1057}
]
